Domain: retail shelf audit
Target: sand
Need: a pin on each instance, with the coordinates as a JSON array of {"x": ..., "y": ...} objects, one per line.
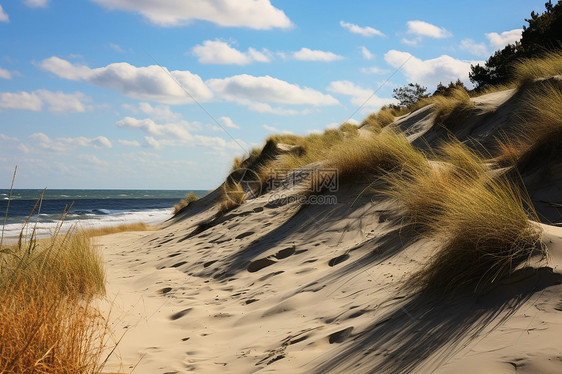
[{"x": 274, "y": 287}]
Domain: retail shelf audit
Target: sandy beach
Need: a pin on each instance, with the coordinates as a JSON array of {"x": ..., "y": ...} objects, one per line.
[{"x": 284, "y": 287}]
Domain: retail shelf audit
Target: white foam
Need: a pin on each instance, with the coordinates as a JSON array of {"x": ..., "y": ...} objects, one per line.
[{"x": 47, "y": 229}]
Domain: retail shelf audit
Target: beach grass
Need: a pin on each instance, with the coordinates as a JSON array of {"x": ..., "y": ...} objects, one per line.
[
  {"x": 189, "y": 198},
  {"x": 47, "y": 321},
  {"x": 548, "y": 65}
]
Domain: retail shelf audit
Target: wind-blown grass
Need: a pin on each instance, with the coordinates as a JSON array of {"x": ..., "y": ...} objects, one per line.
[
  {"x": 47, "y": 323},
  {"x": 548, "y": 65},
  {"x": 190, "y": 197}
]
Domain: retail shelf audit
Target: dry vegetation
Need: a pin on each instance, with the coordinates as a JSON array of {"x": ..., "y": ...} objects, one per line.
[
  {"x": 139, "y": 226},
  {"x": 527, "y": 70},
  {"x": 233, "y": 196},
  {"x": 189, "y": 198},
  {"x": 47, "y": 323}
]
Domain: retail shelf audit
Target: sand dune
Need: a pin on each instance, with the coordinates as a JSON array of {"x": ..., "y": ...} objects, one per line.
[{"x": 273, "y": 287}]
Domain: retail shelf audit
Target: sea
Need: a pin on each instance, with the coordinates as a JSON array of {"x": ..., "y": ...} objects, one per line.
[{"x": 85, "y": 209}]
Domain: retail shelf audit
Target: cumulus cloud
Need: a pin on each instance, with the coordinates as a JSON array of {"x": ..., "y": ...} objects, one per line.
[
  {"x": 430, "y": 72},
  {"x": 5, "y": 74},
  {"x": 37, "y": 3},
  {"x": 498, "y": 41},
  {"x": 3, "y": 16},
  {"x": 56, "y": 101},
  {"x": 226, "y": 121},
  {"x": 422, "y": 29},
  {"x": 427, "y": 29},
  {"x": 306, "y": 54},
  {"x": 92, "y": 159},
  {"x": 152, "y": 82},
  {"x": 159, "y": 112},
  {"x": 43, "y": 141},
  {"x": 179, "y": 130},
  {"x": 253, "y": 91},
  {"x": 364, "y": 31},
  {"x": 219, "y": 52},
  {"x": 359, "y": 96},
  {"x": 255, "y": 14},
  {"x": 367, "y": 55},
  {"x": 477, "y": 49}
]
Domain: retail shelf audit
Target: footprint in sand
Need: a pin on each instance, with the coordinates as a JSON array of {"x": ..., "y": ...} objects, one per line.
[
  {"x": 268, "y": 261},
  {"x": 245, "y": 234},
  {"x": 338, "y": 260},
  {"x": 340, "y": 336}
]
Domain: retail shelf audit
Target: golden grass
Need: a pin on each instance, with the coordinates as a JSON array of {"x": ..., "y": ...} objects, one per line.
[
  {"x": 232, "y": 196},
  {"x": 540, "y": 125},
  {"x": 481, "y": 222},
  {"x": 486, "y": 234},
  {"x": 450, "y": 109},
  {"x": 138, "y": 226},
  {"x": 376, "y": 121},
  {"x": 548, "y": 65},
  {"x": 190, "y": 197},
  {"x": 372, "y": 155},
  {"x": 47, "y": 323}
]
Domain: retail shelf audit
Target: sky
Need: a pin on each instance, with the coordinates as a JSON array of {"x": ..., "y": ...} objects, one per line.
[{"x": 162, "y": 95}]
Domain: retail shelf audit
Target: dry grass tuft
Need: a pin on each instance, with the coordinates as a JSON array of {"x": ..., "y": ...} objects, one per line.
[
  {"x": 548, "y": 65},
  {"x": 481, "y": 221},
  {"x": 190, "y": 197},
  {"x": 539, "y": 133},
  {"x": 47, "y": 323},
  {"x": 376, "y": 121},
  {"x": 450, "y": 109},
  {"x": 486, "y": 235},
  {"x": 233, "y": 196}
]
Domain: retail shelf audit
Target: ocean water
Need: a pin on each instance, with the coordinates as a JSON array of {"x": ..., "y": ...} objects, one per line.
[{"x": 88, "y": 208}]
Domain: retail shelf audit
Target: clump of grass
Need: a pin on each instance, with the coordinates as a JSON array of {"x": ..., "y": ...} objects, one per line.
[
  {"x": 189, "y": 198},
  {"x": 548, "y": 65},
  {"x": 233, "y": 196},
  {"x": 449, "y": 109},
  {"x": 424, "y": 188},
  {"x": 47, "y": 323},
  {"x": 365, "y": 156},
  {"x": 486, "y": 235},
  {"x": 376, "y": 121},
  {"x": 539, "y": 131}
]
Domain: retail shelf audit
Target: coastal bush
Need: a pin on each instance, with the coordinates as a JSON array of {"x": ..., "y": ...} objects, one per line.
[{"x": 189, "y": 198}]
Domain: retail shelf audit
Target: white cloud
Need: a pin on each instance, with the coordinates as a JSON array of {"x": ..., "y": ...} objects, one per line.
[
  {"x": 3, "y": 16},
  {"x": 61, "y": 102},
  {"x": 228, "y": 123},
  {"x": 430, "y": 72},
  {"x": 374, "y": 70},
  {"x": 367, "y": 55},
  {"x": 5, "y": 74},
  {"x": 256, "y": 14},
  {"x": 306, "y": 54},
  {"x": 256, "y": 91},
  {"x": 498, "y": 41},
  {"x": 8, "y": 138},
  {"x": 173, "y": 130},
  {"x": 152, "y": 82},
  {"x": 151, "y": 142},
  {"x": 36, "y": 3},
  {"x": 21, "y": 100},
  {"x": 364, "y": 97},
  {"x": 65, "y": 144},
  {"x": 129, "y": 143},
  {"x": 159, "y": 112},
  {"x": 219, "y": 52},
  {"x": 477, "y": 49},
  {"x": 365, "y": 31},
  {"x": 421, "y": 28},
  {"x": 56, "y": 101}
]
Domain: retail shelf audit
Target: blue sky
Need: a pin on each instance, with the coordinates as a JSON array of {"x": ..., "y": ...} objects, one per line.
[{"x": 99, "y": 93}]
